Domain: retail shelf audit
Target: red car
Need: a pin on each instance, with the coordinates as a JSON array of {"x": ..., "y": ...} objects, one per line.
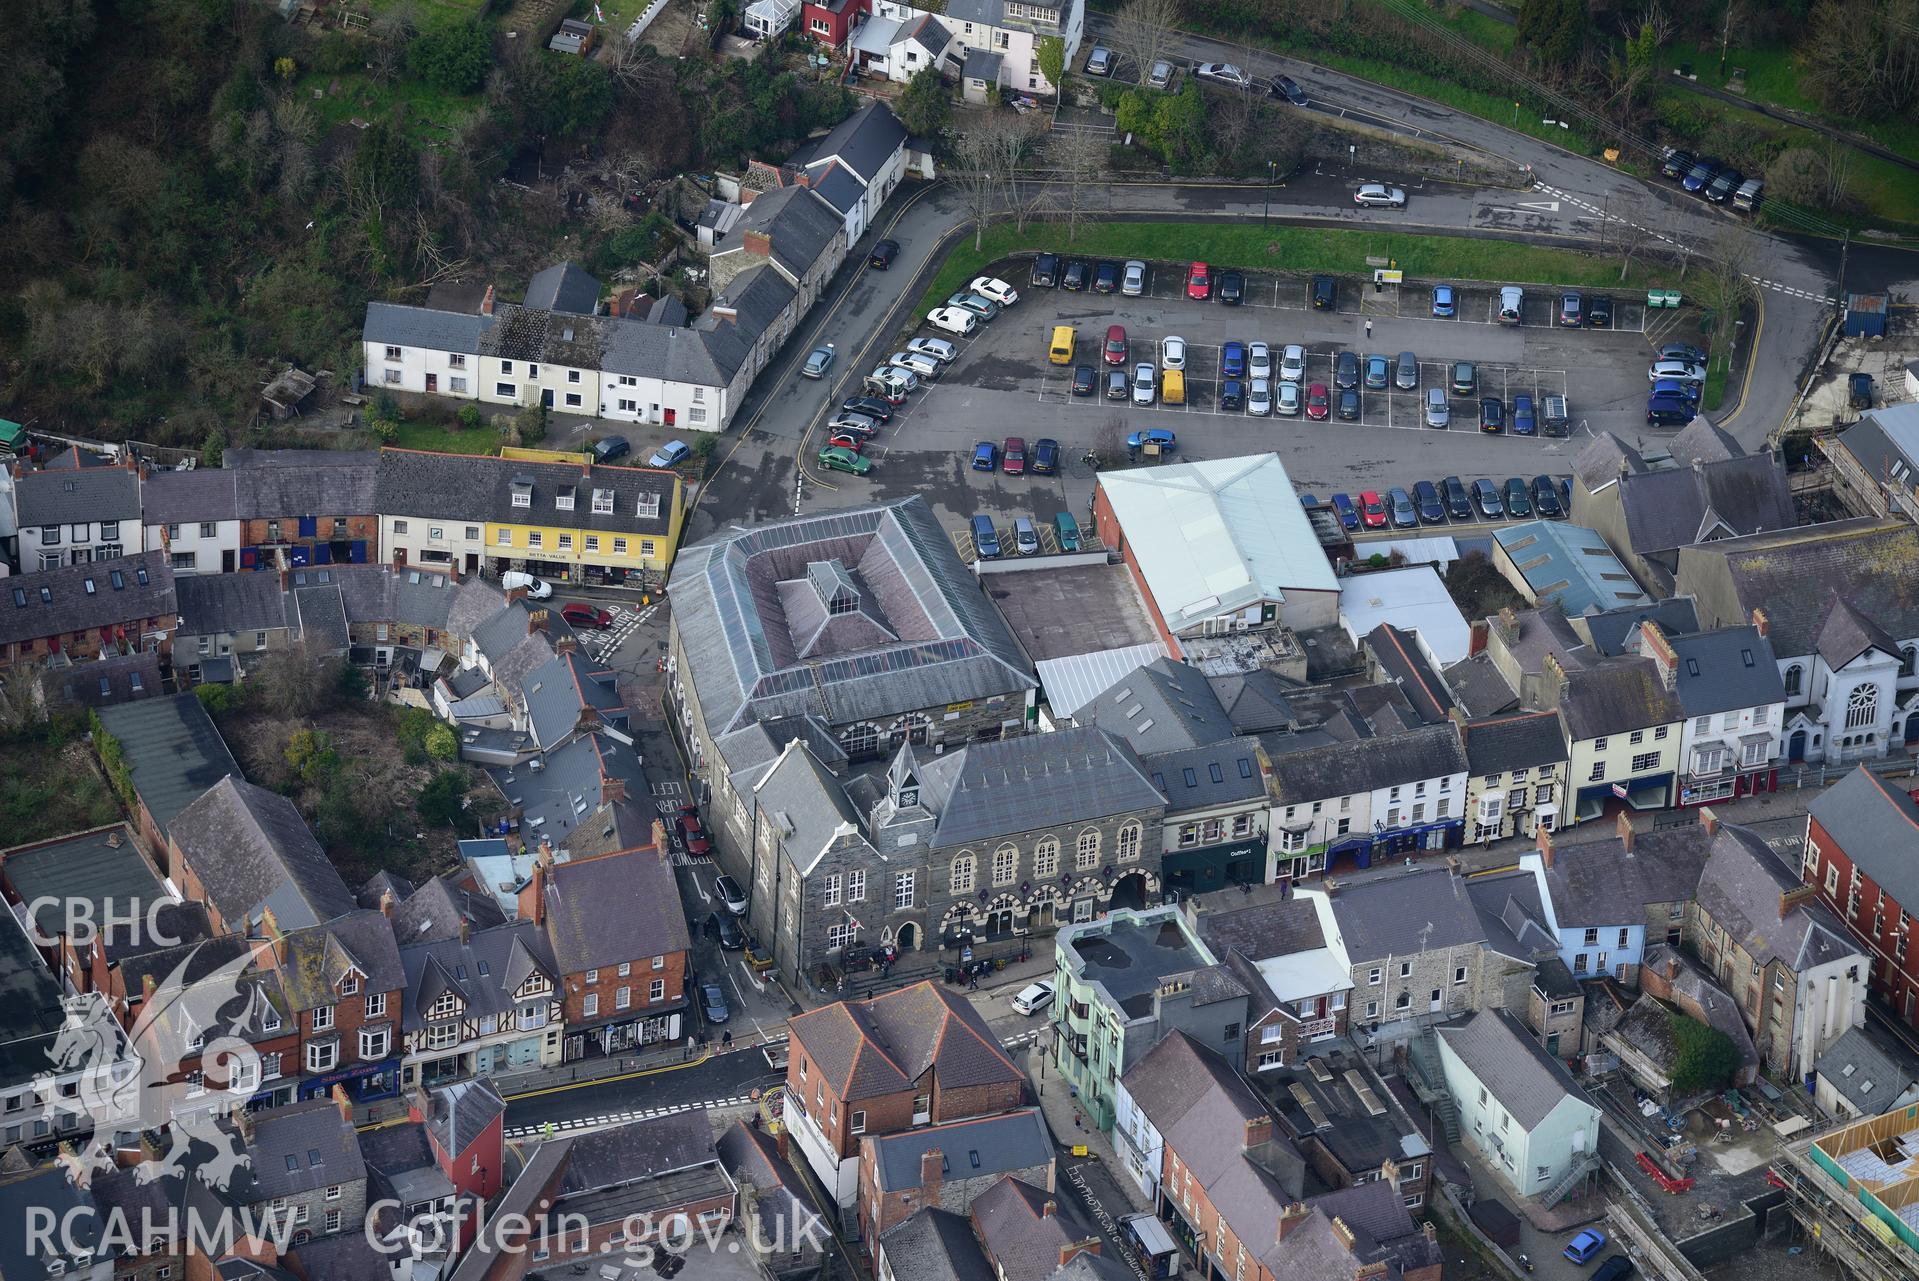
[
  {"x": 1318, "y": 403},
  {"x": 694, "y": 834},
  {"x": 1199, "y": 282},
  {"x": 1013, "y": 459},
  {"x": 847, "y": 440},
  {"x": 1116, "y": 344},
  {"x": 581, "y": 614},
  {"x": 1372, "y": 510}
]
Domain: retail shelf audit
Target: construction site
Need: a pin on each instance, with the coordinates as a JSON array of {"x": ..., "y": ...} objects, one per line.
[{"x": 1855, "y": 1190}]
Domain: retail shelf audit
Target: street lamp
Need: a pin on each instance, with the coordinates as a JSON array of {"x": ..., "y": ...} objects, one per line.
[{"x": 1266, "y": 210}]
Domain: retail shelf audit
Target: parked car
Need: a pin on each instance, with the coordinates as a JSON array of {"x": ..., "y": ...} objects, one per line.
[
  {"x": 1224, "y": 73},
  {"x": 1859, "y": 391},
  {"x": 581, "y": 614},
  {"x": 1486, "y": 498},
  {"x": 1199, "y": 282},
  {"x": 1512, "y": 304},
  {"x": 1404, "y": 517},
  {"x": 1259, "y": 360},
  {"x": 1372, "y": 510},
  {"x": 1045, "y": 273},
  {"x": 924, "y": 367},
  {"x": 1677, "y": 370},
  {"x": 1546, "y": 497},
  {"x": 1172, "y": 352},
  {"x": 1232, "y": 360},
  {"x": 1348, "y": 514},
  {"x": 1426, "y": 499},
  {"x": 891, "y": 378},
  {"x": 1675, "y": 165},
  {"x": 1025, "y": 537},
  {"x": 868, "y": 407},
  {"x": 986, "y": 456},
  {"x": 847, "y": 440},
  {"x": 1106, "y": 278},
  {"x": 1723, "y": 184},
  {"x": 1292, "y": 363},
  {"x": 1232, "y": 395},
  {"x": 836, "y": 458},
  {"x": 1075, "y": 277},
  {"x": 671, "y": 454},
  {"x": 1286, "y": 401},
  {"x": 1445, "y": 307},
  {"x": 985, "y": 538},
  {"x": 938, "y": 348},
  {"x": 1157, "y": 436},
  {"x": 1319, "y": 405},
  {"x": 818, "y": 361},
  {"x": 1346, "y": 370},
  {"x": 1492, "y": 415},
  {"x": 966, "y": 300},
  {"x": 1379, "y": 195},
  {"x": 607, "y": 448},
  {"x": 1556, "y": 416},
  {"x": 1616, "y": 1268},
  {"x": 1325, "y": 293},
  {"x": 1378, "y": 373},
  {"x": 1572, "y": 310},
  {"x": 1288, "y": 88},
  {"x": 1259, "y": 397},
  {"x": 1677, "y": 388},
  {"x": 713, "y": 1003},
  {"x": 1232, "y": 288},
  {"x": 1583, "y": 1247},
  {"x": 1525, "y": 420},
  {"x": 730, "y": 893},
  {"x": 1083, "y": 381},
  {"x": 1132, "y": 282},
  {"x": 1161, "y": 75},
  {"x": 1459, "y": 504},
  {"x": 995, "y": 289},
  {"x": 1700, "y": 174},
  {"x": 1013, "y": 457},
  {"x": 1599, "y": 311},
  {"x": 726, "y": 927},
  {"x": 1439, "y": 411},
  {"x": 1519, "y": 501},
  {"x": 1681, "y": 351},
  {"x": 1033, "y": 998},
  {"x": 883, "y": 254},
  {"x": 1406, "y": 372},
  {"x": 1349, "y": 405},
  {"x": 1465, "y": 379},
  {"x": 1670, "y": 411},
  {"x": 953, "y": 320},
  {"x": 1045, "y": 457},
  {"x": 1144, "y": 378},
  {"x": 1066, "y": 529},
  {"x": 1100, "y": 61},
  {"x": 1117, "y": 388}
]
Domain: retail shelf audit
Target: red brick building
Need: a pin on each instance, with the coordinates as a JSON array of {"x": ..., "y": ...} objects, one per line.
[
  {"x": 343, "y": 984},
  {"x": 1862, "y": 857},
  {"x": 831, "y": 21},
  {"x": 948, "y": 1166},
  {"x": 465, "y": 1125},
  {"x": 310, "y": 506},
  {"x": 85, "y": 611}
]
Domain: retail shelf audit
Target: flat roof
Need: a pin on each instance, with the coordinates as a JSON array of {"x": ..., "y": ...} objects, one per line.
[
  {"x": 1130, "y": 957},
  {"x": 1413, "y": 599},
  {"x": 1073, "y": 610}
]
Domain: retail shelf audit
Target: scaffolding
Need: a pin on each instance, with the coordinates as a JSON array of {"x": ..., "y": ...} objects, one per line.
[{"x": 1855, "y": 1188}]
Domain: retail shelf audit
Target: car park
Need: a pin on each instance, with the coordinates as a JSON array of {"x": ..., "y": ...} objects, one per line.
[
  {"x": 1013, "y": 459},
  {"x": 1349, "y": 404},
  {"x": 985, "y": 538},
  {"x": 1286, "y": 400},
  {"x": 1292, "y": 363},
  {"x": 997, "y": 290},
  {"x": 1259, "y": 397},
  {"x": 835, "y": 458},
  {"x": 966, "y": 300},
  {"x": 1224, "y": 73},
  {"x": 953, "y": 320},
  {"x": 1199, "y": 282},
  {"x": 893, "y": 376},
  {"x": 1232, "y": 360},
  {"x": 607, "y": 448},
  {"x": 1465, "y": 379},
  {"x": 986, "y": 456},
  {"x": 1117, "y": 388},
  {"x": 1439, "y": 410},
  {"x": 1172, "y": 352},
  {"x": 1546, "y": 497},
  {"x": 1519, "y": 501},
  {"x": 1106, "y": 278},
  {"x": 1675, "y": 164},
  {"x": 883, "y": 254},
  {"x": 1232, "y": 288},
  {"x": 1723, "y": 184},
  {"x": 1060, "y": 347},
  {"x": 1348, "y": 514},
  {"x": 713, "y": 1003},
  {"x": 927, "y": 368},
  {"x": 1459, "y": 504},
  {"x": 851, "y": 420},
  {"x": 1372, "y": 510},
  {"x": 1325, "y": 293},
  {"x": 581, "y": 614},
  {"x": 1404, "y": 517},
  {"x": 1700, "y": 174},
  {"x": 1492, "y": 415},
  {"x": 1083, "y": 381},
  {"x": 729, "y": 892},
  {"x": 1066, "y": 529},
  {"x": 1572, "y": 310},
  {"x": 1512, "y": 304},
  {"x": 1132, "y": 282},
  {"x": 1406, "y": 372},
  {"x": 1525, "y": 421},
  {"x": 1158, "y": 437},
  {"x": 1033, "y": 998},
  {"x": 1025, "y": 537},
  {"x": 671, "y": 454},
  {"x": 1681, "y": 351},
  {"x": 1599, "y": 311},
  {"x": 938, "y": 348},
  {"x": 1319, "y": 404},
  {"x": 1045, "y": 273},
  {"x": 1486, "y": 498},
  {"x": 1346, "y": 370},
  {"x": 1144, "y": 384},
  {"x": 1115, "y": 349},
  {"x": 1045, "y": 456},
  {"x": 1378, "y": 373},
  {"x": 1677, "y": 370},
  {"x": 1444, "y": 305},
  {"x": 1100, "y": 61},
  {"x": 1583, "y": 1247},
  {"x": 1426, "y": 499},
  {"x": 1259, "y": 360},
  {"x": 1379, "y": 195},
  {"x": 1232, "y": 395},
  {"x": 1075, "y": 278},
  {"x": 1288, "y": 88},
  {"x": 818, "y": 361},
  {"x": 1161, "y": 76}
]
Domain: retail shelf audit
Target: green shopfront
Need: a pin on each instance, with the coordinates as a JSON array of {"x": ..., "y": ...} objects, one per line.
[{"x": 1211, "y": 867}]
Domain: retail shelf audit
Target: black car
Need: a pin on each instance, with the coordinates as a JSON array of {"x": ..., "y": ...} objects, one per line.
[
  {"x": 1106, "y": 279},
  {"x": 1724, "y": 183},
  {"x": 1349, "y": 405},
  {"x": 1599, "y": 311},
  {"x": 1232, "y": 288},
  {"x": 1075, "y": 277},
  {"x": 1546, "y": 497},
  {"x": 1492, "y": 415},
  {"x": 725, "y": 927},
  {"x": 1325, "y": 293},
  {"x": 1675, "y": 165},
  {"x": 1286, "y": 87},
  {"x": 1232, "y": 394},
  {"x": 1859, "y": 391},
  {"x": 1426, "y": 498},
  {"x": 1459, "y": 503},
  {"x": 872, "y": 406},
  {"x": 883, "y": 254},
  {"x": 1346, "y": 370},
  {"x": 1083, "y": 381},
  {"x": 1117, "y": 388},
  {"x": 1045, "y": 457},
  {"x": 1045, "y": 271},
  {"x": 607, "y": 448},
  {"x": 1519, "y": 501}
]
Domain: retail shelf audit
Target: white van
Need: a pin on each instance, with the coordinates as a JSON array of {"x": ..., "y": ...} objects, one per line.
[
  {"x": 1512, "y": 302},
  {"x": 954, "y": 320}
]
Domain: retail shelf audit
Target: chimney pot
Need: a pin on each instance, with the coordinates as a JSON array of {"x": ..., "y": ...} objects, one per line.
[
  {"x": 1048, "y": 1210},
  {"x": 1710, "y": 821},
  {"x": 388, "y": 902},
  {"x": 486, "y": 303},
  {"x": 1623, "y": 824}
]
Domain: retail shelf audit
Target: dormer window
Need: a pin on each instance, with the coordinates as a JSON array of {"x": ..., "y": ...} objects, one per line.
[
  {"x": 522, "y": 491},
  {"x": 349, "y": 985},
  {"x": 648, "y": 507},
  {"x": 563, "y": 500},
  {"x": 602, "y": 502}
]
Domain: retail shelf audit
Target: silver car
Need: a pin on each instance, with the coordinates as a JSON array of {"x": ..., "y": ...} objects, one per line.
[
  {"x": 1438, "y": 411},
  {"x": 1143, "y": 378},
  {"x": 1133, "y": 282},
  {"x": 1292, "y": 363},
  {"x": 1259, "y": 361},
  {"x": 1406, "y": 372},
  {"x": 1259, "y": 399},
  {"x": 1289, "y": 399},
  {"x": 1161, "y": 75}
]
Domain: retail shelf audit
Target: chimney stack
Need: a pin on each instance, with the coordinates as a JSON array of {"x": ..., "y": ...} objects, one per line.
[
  {"x": 1506, "y": 623},
  {"x": 932, "y": 1175},
  {"x": 1389, "y": 1172},
  {"x": 243, "y": 1121},
  {"x": 1761, "y": 623},
  {"x": 1709, "y": 821},
  {"x": 1048, "y": 1210},
  {"x": 1330, "y": 886},
  {"x": 345, "y": 1104},
  {"x": 387, "y": 903},
  {"x": 1623, "y": 824},
  {"x": 612, "y": 789},
  {"x": 286, "y": 577},
  {"x": 1344, "y": 1233},
  {"x": 1430, "y": 1230},
  {"x": 1291, "y": 1217},
  {"x": 1791, "y": 898},
  {"x": 1259, "y": 1129},
  {"x": 1543, "y": 842},
  {"x": 515, "y": 594},
  {"x": 486, "y": 303},
  {"x": 536, "y": 619},
  {"x": 1654, "y": 645},
  {"x": 466, "y": 931},
  {"x": 270, "y": 930}
]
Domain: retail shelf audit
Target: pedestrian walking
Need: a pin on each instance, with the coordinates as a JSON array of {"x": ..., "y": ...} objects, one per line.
[
  {"x": 726, "y": 1041},
  {"x": 1369, "y": 329}
]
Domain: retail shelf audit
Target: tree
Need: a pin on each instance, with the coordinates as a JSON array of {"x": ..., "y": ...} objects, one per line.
[
  {"x": 530, "y": 423},
  {"x": 1861, "y": 57},
  {"x": 443, "y": 800},
  {"x": 1142, "y": 32},
  {"x": 566, "y": 95},
  {"x": 925, "y": 104},
  {"x": 1819, "y": 178},
  {"x": 1727, "y": 285},
  {"x": 1555, "y": 30},
  {"x": 974, "y": 179},
  {"x": 1081, "y": 158},
  {"x": 1051, "y": 56},
  {"x": 220, "y": 699},
  {"x": 454, "y": 58},
  {"x": 1704, "y": 1058},
  {"x": 441, "y": 745},
  {"x": 311, "y": 754},
  {"x": 293, "y": 682}
]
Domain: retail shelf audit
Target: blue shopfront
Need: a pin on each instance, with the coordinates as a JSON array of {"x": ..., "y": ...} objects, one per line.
[
  {"x": 1648, "y": 792},
  {"x": 364, "y": 1082},
  {"x": 1361, "y": 851}
]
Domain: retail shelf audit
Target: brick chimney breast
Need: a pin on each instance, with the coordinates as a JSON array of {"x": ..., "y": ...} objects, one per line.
[
  {"x": 932, "y": 1174},
  {"x": 1543, "y": 842},
  {"x": 1710, "y": 821},
  {"x": 757, "y": 243},
  {"x": 486, "y": 303},
  {"x": 1761, "y": 623},
  {"x": 1623, "y": 824}
]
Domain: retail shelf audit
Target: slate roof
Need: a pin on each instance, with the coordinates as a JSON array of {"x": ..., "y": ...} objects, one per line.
[
  {"x": 1596, "y": 883},
  {"x": 1404, "y": 915},
  {"x": 475, "y": 488},
  {"x": 1277, "y": 928},
  {"x": 1202, "y": 777},
  {"x": 1368, "y": 764},
  {"x": 252, "y": 852},
  {"x": 1407, "y": 666},
  {"x": 189, "y": 497},
  {"x": 1609, "y": 629},
  {"x": 863, "y": 142},
  {"x": 1524, "y": 740},
  {"x": 428, "y": 328},
  {"x": 564, "y": 286},
  {"x": 798, "y": 223},
  {"x": 1684, "y": 505},
  {"x": 116, "y": 678},
  {"x": 753, "y": 1158},
  {"x": 953, "y": 645},
  {"x": 483, "y": 970},
  {"x": 638, "y": 1150},
  {"x": 1617, "y": 697},
  {"x": 322, "y": 614},
  {"x": 566, "y": 801},
  {"x": 436, "y": 909},
  {"x": 561, "y": 694},
  {"x": 1599, "y": 463},
  {"x": 884, "y": 1044},
  {"x": 278, "y": 483},
  {"x": 47, "y": 1192},
  {"x": 1725, "y": 670},
  {"x": 1025, "y": 1229},
  {"x": 990, "y": 789},
  {"x": 1741, "y": 887},
  {"x": 387, "y": 594},
  {"x": 1527, "y": 1081},
  {"x": 1693, "y": 989},
  {"x": 1884, "y": 439},
  {"x": 1176, "y": 1074},
  {"x": 977, "y": 1148},
  {"x": 462, "y": 1111},
  {"x": 1870, "y": 1070},
  {"x": 935, "y": 1245},
  {"x": 1845, "y": 633},
  {"x": 837, "y": 185},
  {"x": 807, "y": 806},
  {"x": 229, "y": 604},
  {"x": 1877, "y": 825},
  {"x": 319, "y": 957},
  {"x": 613, "y": 908},
  {"x": 78, "y": 496},
  {"x": 756, "y": 297},
  {"x": 1477, "y": 687},
  {"x": 1162, "y": 706},
  {"x": 299, "y": 1148},
  {"x": 1511, "y": 914},
  {"x": 102, "y": 594}
]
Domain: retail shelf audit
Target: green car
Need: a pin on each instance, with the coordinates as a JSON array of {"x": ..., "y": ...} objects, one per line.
[{"x": 840, "y": 458}]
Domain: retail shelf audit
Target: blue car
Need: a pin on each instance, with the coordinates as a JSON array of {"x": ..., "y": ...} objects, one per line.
[
  {"x": 671, "y": 454},
  {"x": 1673, "y": 387},
  {"x": 1443, "y": 301},
  {"x": 1584, "y": 1246},
  {"x": 1232, "y": 360},
  {"x": 1157, "y": 436},
  {"x": 986, "y": 456},
  {"x": 1525, "y": 422},
  {"x": 1308, "y": 500},
  {"x": 1348, "y": 513}
]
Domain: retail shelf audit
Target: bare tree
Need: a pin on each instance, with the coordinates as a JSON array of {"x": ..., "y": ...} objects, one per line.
[
  {"x": 1142, "y": 32},
  {"x": 636, "y": 69},
  {"x": 1080, "y": 194},
  {"x": 973, "y": 177},
  {"x": 1727, "y": 284},
  {"x": 1109, "y": 441},
  {"x": 295, "y": 682}
]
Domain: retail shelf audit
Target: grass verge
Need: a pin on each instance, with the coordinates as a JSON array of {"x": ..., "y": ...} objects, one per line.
[
  {"x": 1718, "y": 374},
  {"x": 484, "y": 439},
  {"x": 1292, "y": 249}
]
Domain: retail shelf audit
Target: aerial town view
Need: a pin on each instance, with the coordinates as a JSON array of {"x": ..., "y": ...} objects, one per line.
[{"x": 959, "y": 640}]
